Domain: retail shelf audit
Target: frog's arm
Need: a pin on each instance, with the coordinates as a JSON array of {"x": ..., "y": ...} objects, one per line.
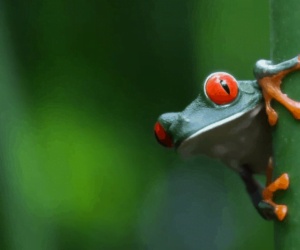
[
  {"x": 254, "y": 189},
  {"x": 269, "y": 77},
  {"x": 265, "y": 68},
  {"x": 262, "y": 197}
]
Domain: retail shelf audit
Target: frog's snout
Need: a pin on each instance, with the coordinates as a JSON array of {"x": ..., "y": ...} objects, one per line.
[{"x": 162, "y": 137}]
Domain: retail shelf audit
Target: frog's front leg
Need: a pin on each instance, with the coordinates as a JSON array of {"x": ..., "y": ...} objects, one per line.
[
  {"x": 281, "y": 183},
  {"x": 269, "y": 78},
  {"x": 262, "y": 199}
]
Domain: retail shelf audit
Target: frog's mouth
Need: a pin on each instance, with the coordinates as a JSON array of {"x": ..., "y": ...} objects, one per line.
[{"x": 213, "y": 133}]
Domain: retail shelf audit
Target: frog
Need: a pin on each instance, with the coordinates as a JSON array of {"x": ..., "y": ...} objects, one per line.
[{"x": 231, "y": 120}]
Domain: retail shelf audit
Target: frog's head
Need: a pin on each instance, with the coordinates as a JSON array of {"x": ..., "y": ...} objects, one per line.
[{"x": 223, "y": 105}]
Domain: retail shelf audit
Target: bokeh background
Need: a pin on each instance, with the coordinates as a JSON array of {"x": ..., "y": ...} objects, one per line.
[{"x": 82, "y": 84}]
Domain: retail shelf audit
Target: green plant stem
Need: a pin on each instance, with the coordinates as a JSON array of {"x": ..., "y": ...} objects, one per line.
[{"x": 285, "y": 44}]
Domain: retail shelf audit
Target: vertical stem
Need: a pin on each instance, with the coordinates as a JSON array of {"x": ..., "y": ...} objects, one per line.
[{"x": 285, "y": 44}]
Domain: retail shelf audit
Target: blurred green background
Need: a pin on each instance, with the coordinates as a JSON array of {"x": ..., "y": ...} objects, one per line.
[{"x": 82, "y": 84}]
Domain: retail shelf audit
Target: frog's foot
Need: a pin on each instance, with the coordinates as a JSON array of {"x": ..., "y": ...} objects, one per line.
[
  {"x": 267, "y": 206},
  {"x": 271, "y": 90},
  {"x": 271, "y": 211}
]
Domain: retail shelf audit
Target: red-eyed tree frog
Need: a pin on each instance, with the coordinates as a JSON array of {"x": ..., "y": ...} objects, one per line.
[{"x": 228, "y": 121}]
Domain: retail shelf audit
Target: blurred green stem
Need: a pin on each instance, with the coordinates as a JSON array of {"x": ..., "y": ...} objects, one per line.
[
  {"x": 18, "y": 223},
  {"x": 285, "y": 37}
]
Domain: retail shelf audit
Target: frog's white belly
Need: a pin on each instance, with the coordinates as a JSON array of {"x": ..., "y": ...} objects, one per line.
[{"x": 237, "y": 140}]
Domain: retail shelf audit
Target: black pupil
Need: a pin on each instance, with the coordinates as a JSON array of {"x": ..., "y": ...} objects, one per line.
[{"x": 225, "y": 86}]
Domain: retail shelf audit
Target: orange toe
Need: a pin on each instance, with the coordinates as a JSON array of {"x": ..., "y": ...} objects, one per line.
[
  {"x": 283, "y": 181},
  {"x": 281, "y": 211},
  {"x": 273, "y": 117}
]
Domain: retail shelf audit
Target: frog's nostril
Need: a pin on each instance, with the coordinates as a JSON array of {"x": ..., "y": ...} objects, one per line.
[{"x": 161, "y": 136}]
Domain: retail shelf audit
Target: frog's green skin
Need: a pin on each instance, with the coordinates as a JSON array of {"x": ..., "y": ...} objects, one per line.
[{"x": 237, "y": 133}]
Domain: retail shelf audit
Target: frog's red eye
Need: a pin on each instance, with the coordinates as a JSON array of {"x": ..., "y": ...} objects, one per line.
[{"x": 221, "y": 88}]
